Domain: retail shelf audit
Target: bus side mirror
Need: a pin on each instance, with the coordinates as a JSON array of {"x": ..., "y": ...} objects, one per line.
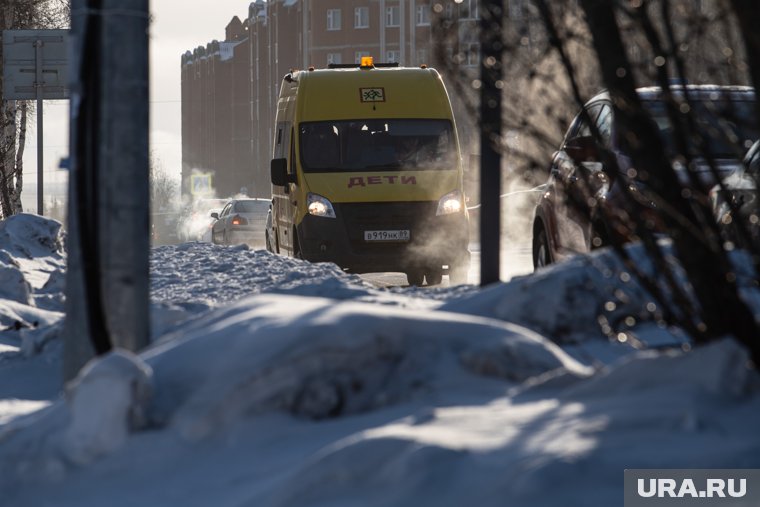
[{"x": 279, "y": 172}]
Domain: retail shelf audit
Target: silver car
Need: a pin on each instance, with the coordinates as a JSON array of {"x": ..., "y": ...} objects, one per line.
[{"x": 241, "y": 221}]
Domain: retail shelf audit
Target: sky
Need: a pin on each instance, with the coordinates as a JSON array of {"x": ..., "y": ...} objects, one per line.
[
  {"x": 178, "y": 26},
  {"x": 274, "y": 382}
]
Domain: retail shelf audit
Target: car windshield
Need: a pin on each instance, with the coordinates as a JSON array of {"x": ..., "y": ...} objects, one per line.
[
  {"x": 372, "y": 145},
  {"x": 251, "y": 206},
  {"x": 725, "y": 127}
]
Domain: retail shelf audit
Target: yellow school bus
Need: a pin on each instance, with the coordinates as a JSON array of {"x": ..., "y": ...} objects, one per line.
[{"x": 367, "y": 172}]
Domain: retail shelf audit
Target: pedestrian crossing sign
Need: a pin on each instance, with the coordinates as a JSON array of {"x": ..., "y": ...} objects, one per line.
[{"x": 200, "y": 184}]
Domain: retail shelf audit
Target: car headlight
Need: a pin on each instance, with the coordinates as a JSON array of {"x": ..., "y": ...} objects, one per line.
[
  {"x": 319, "y": 206},
  {"x": 450, "y": 203}
]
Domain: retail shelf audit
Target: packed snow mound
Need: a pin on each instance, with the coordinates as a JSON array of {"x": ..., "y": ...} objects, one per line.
[
  {"x": 318, "y": 358},
  {"x": 199, "y": 272},
  {"x": 27, "y": 236},
  {"x": 311, "y": 358},
  {"x": 199, "y": 276},
  {"x": 32, "y": 265},
  {"x": 119, "y": 385},
  {"x": 189, "y": 279},
  {"x": 13, "y": 284},
  {"x": 274, "y": 406},
  {"x": 721, "y": 369},
  {"x": 586, "y": 297},
  {"x": 568, "y": 450},
  {"x": 596, "y": 297}
]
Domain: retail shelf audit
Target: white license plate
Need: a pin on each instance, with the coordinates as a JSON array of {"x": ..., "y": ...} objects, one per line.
[{"x": 402, "y": 235}]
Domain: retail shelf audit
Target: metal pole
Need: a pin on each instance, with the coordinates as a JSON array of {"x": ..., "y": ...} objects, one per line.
[
  {"x": 490, "y": 139},
  {"x": 38, "y": 85},
  {"x": 107, "y": 303},
  {"x": 124, "y": 166}
]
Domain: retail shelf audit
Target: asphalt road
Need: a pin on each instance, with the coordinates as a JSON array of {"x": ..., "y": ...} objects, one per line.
[{"x": 515, "y": 260}]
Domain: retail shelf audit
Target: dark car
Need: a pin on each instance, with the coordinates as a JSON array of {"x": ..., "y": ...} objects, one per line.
[
  {"x": 581, "y": 190},
  {"x": 736, "y": 205},
  {"x": 241, "y": 221}
]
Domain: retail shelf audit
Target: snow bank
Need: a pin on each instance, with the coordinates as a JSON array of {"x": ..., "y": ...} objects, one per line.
[
  {"x": 291, "y": 401},
  {"x": 311, "y": 358},
  {"x": 208, "y": 274},
  {"x": 106, "y": 401},
  {"x": 32, "y": 263},
  {"x": 214, "y": 274},
  {"x": 309, "y": 393},
  {"x": 189, "y": 279},
  {"x": 540, "y": 451},
  {"x": 590, "y": 297},
  {"x": 27, "y": 236},
  {"x": 319, "y": 358}
]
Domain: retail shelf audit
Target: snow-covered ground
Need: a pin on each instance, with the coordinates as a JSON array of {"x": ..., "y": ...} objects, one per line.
[{"x": 275, "y": 382}]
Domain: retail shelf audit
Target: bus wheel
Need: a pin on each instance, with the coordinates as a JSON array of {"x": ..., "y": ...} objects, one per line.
[
  {"x": 434, "y": 276},
  {"x": 415, "y": 277}
]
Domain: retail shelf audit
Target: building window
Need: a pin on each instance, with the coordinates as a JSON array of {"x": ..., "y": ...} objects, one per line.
[
  {"x": 361, "y": 17},
  {"x": 471, "y": 54},
  {"x": 423, "y": 15},
  {"x": 359, "y": 54},
  {"x": 393, "y": 56},
  {"x": 393, "y": 16},
  {"x": 333, "y": 19},
  {"x": 468, "y": 9},
  {"x": 422, "y": 56},
  {"x": 333, "y": 58}
]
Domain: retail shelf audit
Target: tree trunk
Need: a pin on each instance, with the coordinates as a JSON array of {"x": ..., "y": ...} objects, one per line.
[
  {"x": 7, "y": 155},
  {"x": 7, "y": 128}
]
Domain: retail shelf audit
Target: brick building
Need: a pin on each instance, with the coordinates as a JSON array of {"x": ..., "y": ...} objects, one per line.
[{"x": 230, "y": 88}]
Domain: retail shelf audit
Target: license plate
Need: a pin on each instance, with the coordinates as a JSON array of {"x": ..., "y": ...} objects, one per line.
[{"x": 402, "y": 235}]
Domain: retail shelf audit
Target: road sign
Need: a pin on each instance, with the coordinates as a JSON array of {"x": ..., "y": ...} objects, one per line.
[
  {"x": 23, "y": 50},
  {"x": 200, "y": 184},
  {"x": 35, "y": 66}
]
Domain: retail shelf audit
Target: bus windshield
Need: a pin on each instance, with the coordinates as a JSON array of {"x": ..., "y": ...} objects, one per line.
[{"x": 377, "y": 145}]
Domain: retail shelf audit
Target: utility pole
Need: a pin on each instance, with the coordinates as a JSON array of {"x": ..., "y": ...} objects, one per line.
[
  {"x": 39, "y": 84},
  {"x": 491, "y": 84},
  {"x": 107, "y": 303}
]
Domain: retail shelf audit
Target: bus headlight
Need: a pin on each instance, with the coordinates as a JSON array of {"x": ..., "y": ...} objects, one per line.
[
  {"x": 319, "y": 206},
  {"x": 450, "y": 203}
]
